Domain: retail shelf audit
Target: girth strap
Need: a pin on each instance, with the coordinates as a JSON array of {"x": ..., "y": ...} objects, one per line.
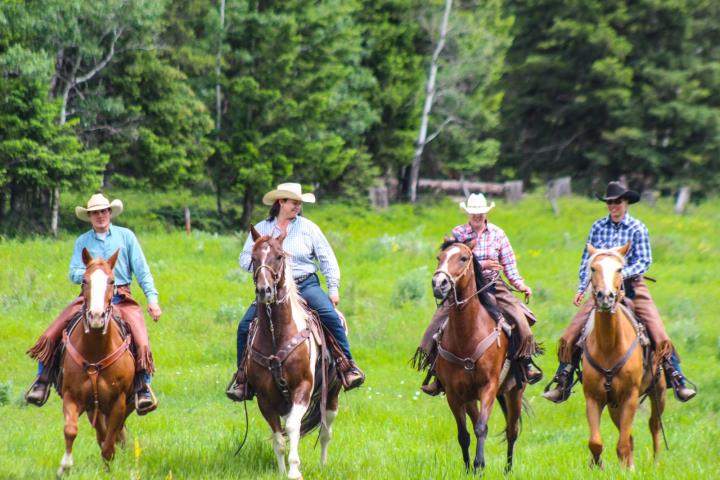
[
  {"x": 274, "y": 362},
  {"x": 93, "y": 369},
  {"x": 610, "y": 373},
  {"x": 469, "y": 362}
]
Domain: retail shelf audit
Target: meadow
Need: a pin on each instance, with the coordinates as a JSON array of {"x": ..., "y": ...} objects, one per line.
[{"x": 387, "y": 428}]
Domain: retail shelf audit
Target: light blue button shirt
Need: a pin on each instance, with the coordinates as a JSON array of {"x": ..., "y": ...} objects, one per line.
[
  {"x": 306, "y": 245},
  {"x": 130, "y": 259}
]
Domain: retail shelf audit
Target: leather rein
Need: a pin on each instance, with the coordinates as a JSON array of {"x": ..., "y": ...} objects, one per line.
[
  {"x": 93, "y": 369},
  {"x": 468, "y": 363}
]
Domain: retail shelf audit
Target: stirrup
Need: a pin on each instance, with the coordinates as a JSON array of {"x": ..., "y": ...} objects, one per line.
[
  {"x": 148, "y": 408},
  {"x": 564, "y": 386},
  {"x": 677, "y": 382},
  {"x": 38, "y": 402}
]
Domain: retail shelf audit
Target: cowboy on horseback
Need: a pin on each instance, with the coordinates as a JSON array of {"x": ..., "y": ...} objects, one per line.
[
  {"x": 306, "y": 244},
  {"x": 495, "y": 254},
  {"x": 102, "y": 241},
  {"x": 615, "y": 230}
]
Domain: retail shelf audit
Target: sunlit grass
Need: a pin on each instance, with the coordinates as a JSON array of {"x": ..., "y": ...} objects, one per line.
[{"x": 386, "y": 429}]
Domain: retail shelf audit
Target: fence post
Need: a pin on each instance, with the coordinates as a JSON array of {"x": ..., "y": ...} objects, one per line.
[
  {"x": 513, "y": 191},
  {"x": 187, "y": 221},
  {"x": 682, "y": 199}
]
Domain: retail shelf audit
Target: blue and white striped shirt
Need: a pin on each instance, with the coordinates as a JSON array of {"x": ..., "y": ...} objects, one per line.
[
  {"x": 130, "y": 259},
  {"x": 306, "y": 244},
  {"x": 606, "y": 234}
]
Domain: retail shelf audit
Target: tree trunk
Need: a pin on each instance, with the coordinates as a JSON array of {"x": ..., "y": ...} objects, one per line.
[
  {"x": 218, "y": 199},
  {"x": 218, "y": 72},
  {"x": 427, "y": 107},
  {"x": 55, "y": 201},
  {"x": 3, "y": 202},
  {"x": 248, "y": 204}
]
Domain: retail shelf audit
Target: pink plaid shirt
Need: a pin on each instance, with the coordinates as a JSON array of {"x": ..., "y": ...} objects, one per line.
[{"x": 492, "y": 244}]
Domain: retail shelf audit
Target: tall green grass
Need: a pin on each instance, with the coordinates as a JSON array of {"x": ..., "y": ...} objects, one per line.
[{"x": 387, "y": 429}]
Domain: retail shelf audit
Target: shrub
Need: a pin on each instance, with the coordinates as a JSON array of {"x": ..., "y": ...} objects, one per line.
[{"x": 411, "y": 286}]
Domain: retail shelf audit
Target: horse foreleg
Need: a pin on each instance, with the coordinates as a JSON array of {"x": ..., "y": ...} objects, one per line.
[
  {"x": 72, "y": 411},
  {"x": 292, "y": 428},
  {"x": 480, "y": 423},
  {"x": 623, "y": 417},
  {"x": 100, "y": 427},
  {"x": 458, "y": 410},
  {"x": 593, "y": 410},
  {"x": 278, "y": 440},
  {"x": 326, "y": 434},
  {"x": 115, "y": 423},
  {"x": 513, "y": 410}
]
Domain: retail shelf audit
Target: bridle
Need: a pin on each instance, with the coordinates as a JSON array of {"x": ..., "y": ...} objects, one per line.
[
  {"x": 453, "y": 281},
  {"x": 620, "y": 291},
  {"x": 86, "y": 313}
]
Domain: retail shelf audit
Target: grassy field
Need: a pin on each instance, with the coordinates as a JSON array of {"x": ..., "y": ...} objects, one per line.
[{"x": 387, "y": 429}]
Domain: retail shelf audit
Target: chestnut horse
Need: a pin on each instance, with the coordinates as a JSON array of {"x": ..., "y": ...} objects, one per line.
[
  {"x": 284, "y": 354},
  {"x": 98, "y": 367},
  {"x": 472, "y": 355},
  {"x": 614, "y": 373}
]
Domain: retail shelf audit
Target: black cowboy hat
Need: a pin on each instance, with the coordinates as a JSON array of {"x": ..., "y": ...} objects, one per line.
[{"x": 617, "y": 190}]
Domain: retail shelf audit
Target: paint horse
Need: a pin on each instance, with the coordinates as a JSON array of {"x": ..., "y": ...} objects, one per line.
[
  {"x": 286, "y": 348},
  {"x": 98, "y": 367},
  {"x": 614, "y": 371},
  {"x": 472, "y": 354}
]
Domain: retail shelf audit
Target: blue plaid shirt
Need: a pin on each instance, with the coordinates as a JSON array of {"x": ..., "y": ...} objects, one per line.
[
  {"x": 606, "y": 234},
  {"x": 306, "y": 245}
]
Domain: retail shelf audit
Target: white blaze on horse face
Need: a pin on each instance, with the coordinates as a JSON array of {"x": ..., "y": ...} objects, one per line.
[
  {"x": 443, "y": 267},
  {"x": 608, "y": 267},
  {"x": 264, "y": 252},
  {"x": 98, "y": 286}
]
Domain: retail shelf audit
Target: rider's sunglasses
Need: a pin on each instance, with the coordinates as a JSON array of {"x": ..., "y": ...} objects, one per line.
[
  {"x": 100, "y": 212},
  {"x": 617, "y": 201}
]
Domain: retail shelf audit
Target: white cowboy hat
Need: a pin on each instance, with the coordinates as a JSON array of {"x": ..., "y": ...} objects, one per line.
[
  {"x": 292, "y": 191},
  {"x": 99, "y": 202},
  {"x": 476, "y": 203}
]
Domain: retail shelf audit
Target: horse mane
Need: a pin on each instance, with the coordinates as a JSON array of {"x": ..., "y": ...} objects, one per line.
[
  {"x": 298, "y": 305},
  {"x": 485, "y": 296}
]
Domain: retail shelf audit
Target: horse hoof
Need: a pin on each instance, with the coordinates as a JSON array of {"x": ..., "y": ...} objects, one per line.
[{"x": 60, "y": 472}]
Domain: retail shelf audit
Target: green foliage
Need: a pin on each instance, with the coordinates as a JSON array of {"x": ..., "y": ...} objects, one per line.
[
  {"x": 411, "y": 286},
  {"x": 5, "y": 393}
]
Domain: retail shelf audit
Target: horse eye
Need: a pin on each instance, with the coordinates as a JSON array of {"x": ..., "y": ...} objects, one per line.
[
  {"x": 279, "y": 257},
  {"x": 111, "y": 282},
  {"x": 592, "y": 269},
  {"x": 438, "y": 258},
  {"x": 464, "y": 259}
]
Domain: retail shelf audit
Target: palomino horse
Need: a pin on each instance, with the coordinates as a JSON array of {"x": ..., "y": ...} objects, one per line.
[
  {"x": 98, "y": 366},
  {"x": 613, "y": 370},
  {"x": 284, "y": 353},
  {"x": 472, "y": 352}
]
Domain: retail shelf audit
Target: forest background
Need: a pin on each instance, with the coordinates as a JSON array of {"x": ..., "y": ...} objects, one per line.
[{"x": 228, "y": 98}]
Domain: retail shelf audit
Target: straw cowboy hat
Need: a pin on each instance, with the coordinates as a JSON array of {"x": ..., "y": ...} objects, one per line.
[
  {"x": 617, "y": 190},
  {"x": 293, "y": 191},
  {"x": 99, "y": 202},
  {"x": 476, "y": 203}
]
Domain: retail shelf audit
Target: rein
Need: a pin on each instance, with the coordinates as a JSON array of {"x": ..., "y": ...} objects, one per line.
[{"x": 93, "y": 369}]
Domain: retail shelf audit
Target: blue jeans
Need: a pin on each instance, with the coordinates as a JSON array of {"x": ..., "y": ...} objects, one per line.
[
  {"x": 147, "y": 378},
  {"x": 316, "y": 299},
  {"x": 674, "y": 361}
]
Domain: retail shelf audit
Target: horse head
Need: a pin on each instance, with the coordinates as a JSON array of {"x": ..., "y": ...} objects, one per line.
[
  {"x": 454, "y": 268},
  {"x": 268, "y": 260},
  {"x": 606, "y": 275},
  {"x": 97, "y": 289}
]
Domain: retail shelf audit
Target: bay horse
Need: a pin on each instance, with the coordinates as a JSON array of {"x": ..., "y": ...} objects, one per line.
[
  {"x": 472, "y": 355},
  {"x": 614, "y": 371},
  {"x": 285, "y": 350},
  {"x": 98, "y": 367}
]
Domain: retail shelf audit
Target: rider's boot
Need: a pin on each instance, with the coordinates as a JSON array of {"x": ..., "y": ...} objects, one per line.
[
  {"x": 238, "y": 389},
  {"x": 145, "y": 399},
  {"x": 532, "y": 375},
  {"x": 677, "y": 380},
  {"x": 433, "y": 388},
  {"x": 350, "y": 374},
  {"x": 564, "y": 380},
  {"x": 39, "y": 391}
]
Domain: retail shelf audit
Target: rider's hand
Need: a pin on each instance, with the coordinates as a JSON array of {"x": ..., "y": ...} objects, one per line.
[
  {"x": 578, "y": 298},
  {"x": 527, "y": 291},
  {"x": 490, "y": 265},
  {"x": 335, "y": 299},
  {"x": 154, "y": 311}
]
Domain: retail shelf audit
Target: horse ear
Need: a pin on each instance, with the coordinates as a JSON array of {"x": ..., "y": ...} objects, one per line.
[
  {"x": 624, "y": 249},
  {"x": 86, "y": 257},
  {"x": 471, "y": 244},
  {"x": 111, "y": 261},
  {"x": 591, "y": 250},
  {"x": 447, "y": 238},
  {"x": 254, "y": 233},
  {"x": 281, "y": 237}
]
